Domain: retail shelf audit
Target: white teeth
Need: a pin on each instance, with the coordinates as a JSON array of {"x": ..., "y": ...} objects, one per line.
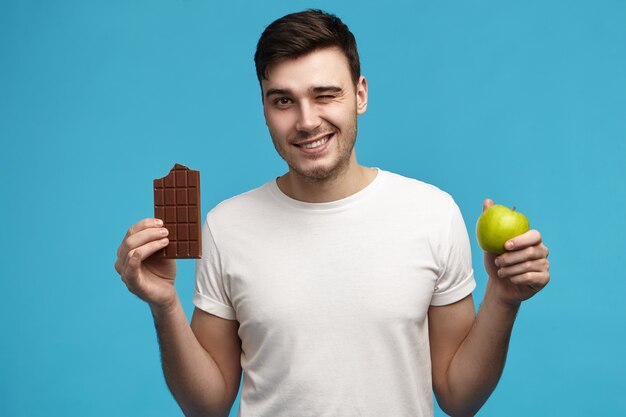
[{"x": 315, "y": 144}]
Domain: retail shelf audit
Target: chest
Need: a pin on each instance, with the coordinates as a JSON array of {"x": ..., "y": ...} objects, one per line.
[{"x": 326, "y": 275}]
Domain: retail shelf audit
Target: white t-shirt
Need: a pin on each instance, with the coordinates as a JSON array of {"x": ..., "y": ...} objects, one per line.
[{"x": 332, "y": 298}]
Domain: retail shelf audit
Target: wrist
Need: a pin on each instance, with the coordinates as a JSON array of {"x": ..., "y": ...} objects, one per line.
[
  {"x": 165, "y": 308},
  {"x": 494, "y": 295}
]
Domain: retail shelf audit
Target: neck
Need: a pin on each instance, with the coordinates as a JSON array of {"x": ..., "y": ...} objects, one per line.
[{"x": 344, "y": 184}]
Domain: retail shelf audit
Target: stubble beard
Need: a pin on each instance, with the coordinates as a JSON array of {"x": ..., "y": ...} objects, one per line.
[{"x": 324, "y": 173}]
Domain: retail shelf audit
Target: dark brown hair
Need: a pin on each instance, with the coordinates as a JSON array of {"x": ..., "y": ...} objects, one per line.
[{"x": 297, "y": 34}]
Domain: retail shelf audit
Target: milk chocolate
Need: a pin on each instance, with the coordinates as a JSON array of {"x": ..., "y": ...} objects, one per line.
[{"x": 177, "y": 203}]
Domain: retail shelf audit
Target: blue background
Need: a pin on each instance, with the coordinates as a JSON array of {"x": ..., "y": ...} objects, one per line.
[{"x": 523, "y": 102}]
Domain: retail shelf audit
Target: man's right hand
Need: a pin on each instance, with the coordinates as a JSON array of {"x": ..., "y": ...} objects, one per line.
[{"x": 151, "y": 278}]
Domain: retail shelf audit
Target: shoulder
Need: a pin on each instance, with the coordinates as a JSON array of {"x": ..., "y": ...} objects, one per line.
[
  {"x": 242, "y": 207},
  {"x": 413, "y": 191}
]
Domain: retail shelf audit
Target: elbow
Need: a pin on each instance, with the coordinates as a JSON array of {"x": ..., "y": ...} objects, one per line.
[
  {"x": 457, "y": 410},
  {"x": 195, "y": 412},
  {"x": 456, "y": 405},
  {"x": 204, "y": 408}
]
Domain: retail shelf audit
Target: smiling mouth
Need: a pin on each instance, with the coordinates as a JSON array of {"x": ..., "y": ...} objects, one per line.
[{"x": 316, "y": 143}]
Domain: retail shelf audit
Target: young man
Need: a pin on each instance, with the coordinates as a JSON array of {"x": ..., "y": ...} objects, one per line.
[{"x": 342, "y": 290}]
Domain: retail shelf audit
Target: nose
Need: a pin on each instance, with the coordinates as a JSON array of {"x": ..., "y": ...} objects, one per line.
[{"x": 308, "y": 117}]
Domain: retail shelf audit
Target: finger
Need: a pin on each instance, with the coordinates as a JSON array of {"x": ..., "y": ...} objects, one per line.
[
  {"x": 537, "y": 280},
  {"x": 522, "y": 255},
  {"x": 145, "y": 251},
  {"x": 530, "y": 238},
  {"x": 487, "y": 203},
  {"x": 538, "y": 265},
  {"x": 130, "y": 273},
  {"x": 142, "y": 225},
  {"x": 136, "y": 256},
  {"x": 144, "y": 237},
  {"x": 118, "y": 265},
  {"x": 135, "y": 228}
]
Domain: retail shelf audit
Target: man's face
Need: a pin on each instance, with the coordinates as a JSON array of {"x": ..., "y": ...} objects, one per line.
[{"x": 310, "y": 105}]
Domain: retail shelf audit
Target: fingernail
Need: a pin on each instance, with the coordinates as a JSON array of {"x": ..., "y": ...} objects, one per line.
[
  {"x": 159, "y": 222},
  {"x": 509, "y": 244},
  {"x": 164, "y": 231},
  {"x": 497, "y": 261}
]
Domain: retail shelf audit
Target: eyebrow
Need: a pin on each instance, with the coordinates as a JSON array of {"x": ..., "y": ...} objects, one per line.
[
  {"x": 327, "y": 89},
  {"x": 277, "y": 92},
  {"x": 317, "y": 90}
]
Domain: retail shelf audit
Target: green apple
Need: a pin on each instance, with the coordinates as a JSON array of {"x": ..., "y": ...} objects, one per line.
[{"x": 498, "y": 224}]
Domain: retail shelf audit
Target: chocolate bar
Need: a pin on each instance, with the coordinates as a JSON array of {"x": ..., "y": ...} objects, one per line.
[{"x": 177, "y": 203}]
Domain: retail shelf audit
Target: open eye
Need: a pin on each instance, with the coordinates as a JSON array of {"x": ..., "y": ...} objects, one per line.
[{"x": 282, "y": 101}]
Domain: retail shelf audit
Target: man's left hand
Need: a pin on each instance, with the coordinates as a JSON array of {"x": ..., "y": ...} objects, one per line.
[{"x": 520, "y": 272}]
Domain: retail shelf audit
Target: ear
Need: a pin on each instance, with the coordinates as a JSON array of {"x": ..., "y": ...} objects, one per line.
[
  {"x": 361, "y": 95},
  {"x": 263, "y": 102}
]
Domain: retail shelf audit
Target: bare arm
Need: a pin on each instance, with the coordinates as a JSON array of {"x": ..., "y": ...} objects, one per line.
[
  {"x": 468, "y": 351},
  {"x": 201, "y": 360}
]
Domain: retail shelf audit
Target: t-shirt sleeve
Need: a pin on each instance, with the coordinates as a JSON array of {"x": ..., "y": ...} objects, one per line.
[
  {"x": 212, "y": 292},
  {"x": 456, "y": 278}
]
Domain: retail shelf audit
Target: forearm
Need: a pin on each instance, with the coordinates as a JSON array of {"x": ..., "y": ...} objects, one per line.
[
  {"x": 478, "y": 364},
  {"x": 191, "y": 374}
]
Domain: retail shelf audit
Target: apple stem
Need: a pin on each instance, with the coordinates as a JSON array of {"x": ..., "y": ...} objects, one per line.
[{"x": 513, "y": 208}]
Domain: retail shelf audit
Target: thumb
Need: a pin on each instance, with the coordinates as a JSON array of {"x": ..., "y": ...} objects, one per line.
[{"x": 487, "y": 203}]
